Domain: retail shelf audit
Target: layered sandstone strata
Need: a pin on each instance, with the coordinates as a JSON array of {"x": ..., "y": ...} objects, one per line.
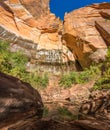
[{"x": 30, "y": 26}]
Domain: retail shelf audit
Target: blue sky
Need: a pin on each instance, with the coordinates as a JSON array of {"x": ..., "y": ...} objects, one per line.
[{"x": 59, "y": 7}]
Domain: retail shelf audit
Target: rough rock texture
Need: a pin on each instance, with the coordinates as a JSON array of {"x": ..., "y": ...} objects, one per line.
[
  {"x": 96, "y": 111},
  {"x": 93, "y": 124},
  {"x": 48, "y": 124},
  {"x": 87, "y": 33},
  {"x": 98, "y": 103},
  {"x": 29, "y": 26},
  {"x": 72, "y": 98},
  {"x": 44, "y": 124},
  {"x": 21, "y": 107},
  {"x": 18, "y": 101}
]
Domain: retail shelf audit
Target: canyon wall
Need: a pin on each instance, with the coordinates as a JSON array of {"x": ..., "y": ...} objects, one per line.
[
  {"x": 29, "y": 26},
  {"x": 87, "y": 33},
  {"x": 50, "y": 43}
]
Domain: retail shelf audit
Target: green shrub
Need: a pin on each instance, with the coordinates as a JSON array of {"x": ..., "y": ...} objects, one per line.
[
  {"x": 14, "y": 63},
  {"x": 65, "y": 114},
  {"x": 103, "y": 82},
  {"x": 45, "y": 111},
  {"x": 79, "y": 77},
  {"x": 68, "y": 79},
  {"x": 37, "y": 80},
  {"x": 64, "y": 111},
  {"x": 4, "y": 46},
  {"x": 98, "y": 72}
]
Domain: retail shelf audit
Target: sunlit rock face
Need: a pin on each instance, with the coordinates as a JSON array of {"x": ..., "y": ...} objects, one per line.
[
  {"x": 29, "y": 26},
  {"x": 51, "y": 44},
  {"x": 87, "y": 32}
]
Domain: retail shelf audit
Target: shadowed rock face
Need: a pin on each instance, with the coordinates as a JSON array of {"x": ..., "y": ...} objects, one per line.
[{"x": 18, "y": 101}]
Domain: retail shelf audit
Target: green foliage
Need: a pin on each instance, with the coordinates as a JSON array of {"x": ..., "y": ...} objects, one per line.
[
  {"x": 68, "y": 79},
  {"x": 103, "y": 82},
  {"x": 45, "y": 111},
  {"x": 108, "y": 54},
  {"x": 3, "y": 46},
  {"x": 79, "y": 77},
  {"x": 38, "y": 80},
  {"x": 98, "y": 72},
  {"x": 14, "y": 63},
  {"x": 64, "y": 111},
  {"x": 65, "y": 114}
]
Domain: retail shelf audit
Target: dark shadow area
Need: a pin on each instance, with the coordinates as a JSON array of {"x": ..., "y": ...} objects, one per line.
[
  {"x": 78, "y": 66},
  {"x": 103, "y": 30}
]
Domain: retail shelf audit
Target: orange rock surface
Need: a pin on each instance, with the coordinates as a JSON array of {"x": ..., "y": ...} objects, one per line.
[
  {"x": 85, "y": 32},
  {"x": 30, "y": 26}
]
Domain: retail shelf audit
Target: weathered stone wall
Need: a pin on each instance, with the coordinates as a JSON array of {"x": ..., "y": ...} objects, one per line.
[
  {"x": 86, "y": 32},
  {"x": 29, "y": 26}
]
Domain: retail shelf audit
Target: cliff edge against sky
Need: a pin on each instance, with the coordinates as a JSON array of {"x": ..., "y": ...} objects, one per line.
[{"x": 30, "y": 26}]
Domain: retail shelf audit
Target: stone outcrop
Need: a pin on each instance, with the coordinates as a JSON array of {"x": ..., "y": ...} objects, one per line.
[
  {"x": 18, "y": 102},
  {"x": 97, "y": 104},
  {"x": 86, "y": 32}
]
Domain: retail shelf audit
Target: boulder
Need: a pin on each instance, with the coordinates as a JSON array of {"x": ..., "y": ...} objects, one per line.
[
  {"x": 19, "y": 101},
  {"x": 97, "y": 104}
]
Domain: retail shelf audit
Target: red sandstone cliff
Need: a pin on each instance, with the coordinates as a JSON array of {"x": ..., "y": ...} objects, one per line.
[{"x": 30, "y": 26}]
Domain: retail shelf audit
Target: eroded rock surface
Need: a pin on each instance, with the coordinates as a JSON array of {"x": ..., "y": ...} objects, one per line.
[
  {"x": 18, "y": 101},
  {"x": 86, "y": 32},
  {"x": 98, "y": 103},
  {"x": 29, "y": 26}
]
